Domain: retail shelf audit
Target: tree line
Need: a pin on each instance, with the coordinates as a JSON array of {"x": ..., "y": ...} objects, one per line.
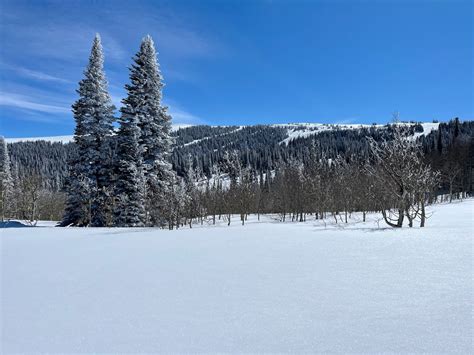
[
  {"x": 39, "y": 169},
  {"x": 316, "y": 187},
  {"x": 397, "y": 181},
  {"x": 261, "y": 148}
]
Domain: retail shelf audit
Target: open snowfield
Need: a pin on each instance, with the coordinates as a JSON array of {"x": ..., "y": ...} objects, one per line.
[{"x": 264, "y": 287}]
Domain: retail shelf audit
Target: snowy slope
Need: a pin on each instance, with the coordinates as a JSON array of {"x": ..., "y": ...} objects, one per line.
[
  {"x": 263, "y": 287},
  {"x": 304, "y": 130},
  {"x": 427, "y": 129},
  {"x": 196, "y": 141},
  {"x": 52, "y": 139}
]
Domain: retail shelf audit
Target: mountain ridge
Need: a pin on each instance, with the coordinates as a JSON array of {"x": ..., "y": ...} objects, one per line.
[{"x": 295, "y": 130}]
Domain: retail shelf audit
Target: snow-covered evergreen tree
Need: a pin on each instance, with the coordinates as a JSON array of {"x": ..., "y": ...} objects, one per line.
[
  {"x": 144, "y": 101},
  {"x": 6, "y": 181},
  {"x": 130, "y": 181},
  {"x": 78, "y": 190},
  {"x": 89, "y": 186}
]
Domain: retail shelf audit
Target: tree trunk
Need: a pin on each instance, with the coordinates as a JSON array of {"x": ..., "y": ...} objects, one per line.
[
  {"x": 423, "y": 214},
  {"x": 450, "y": 191},
  {"x": 399, "y": 223}
]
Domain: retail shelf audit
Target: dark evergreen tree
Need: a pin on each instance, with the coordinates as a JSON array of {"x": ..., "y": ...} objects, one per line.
[
  {"x": 129, "y": 209},
  {"x": 456, "y": 128},
  {"x": 439, "y": 144},
  {"x": 89, "y": 186},
  {"x": 144, "y": 103}
]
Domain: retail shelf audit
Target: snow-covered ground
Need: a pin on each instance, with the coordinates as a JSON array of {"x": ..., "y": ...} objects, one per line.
[{"x": 263, "y": 287}]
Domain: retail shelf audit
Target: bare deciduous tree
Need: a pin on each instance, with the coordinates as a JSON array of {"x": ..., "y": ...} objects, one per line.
[{"x": 403, "y": 178}]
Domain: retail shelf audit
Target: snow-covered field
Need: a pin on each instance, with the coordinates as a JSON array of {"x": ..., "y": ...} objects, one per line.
[{"x": 262, "y": 287}]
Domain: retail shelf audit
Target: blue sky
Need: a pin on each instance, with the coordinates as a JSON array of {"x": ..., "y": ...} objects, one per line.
[{"x": 244, "y": 62}]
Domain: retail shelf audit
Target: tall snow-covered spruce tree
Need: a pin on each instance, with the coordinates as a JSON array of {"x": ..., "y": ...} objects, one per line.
[
  {"x": 90, "y": 181},
  {"x": 144, "y": 104},
  {"x": 130, "y": 181}
]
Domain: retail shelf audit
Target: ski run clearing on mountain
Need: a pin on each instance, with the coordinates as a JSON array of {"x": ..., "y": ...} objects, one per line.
[
  {"x": 263, "y": 287},
  {"x": 304, "y": 130}
]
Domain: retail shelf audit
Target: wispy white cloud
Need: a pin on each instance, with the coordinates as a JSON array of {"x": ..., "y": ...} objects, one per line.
[
  {"x": 56, "y": 51},
  {"x": 178, "y": 75},
  {"x": 112, "y": 47},
  {"x": 64, "y": 42},
  {"x": 69, "y": 38},
  {"x": 178, "y": 34},
  {"x": 184, "y": 42},
  {"x": 35, "y": 109},
  {"x": 22, "y": 102},
  {"x": 182, "y": 116},
  {"x": 38, "y": 75}
]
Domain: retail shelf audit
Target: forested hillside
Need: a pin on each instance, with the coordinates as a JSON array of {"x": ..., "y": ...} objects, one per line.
[
  {"x": 264, "y": 150},
  {"x": 261, "y": 147}
]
